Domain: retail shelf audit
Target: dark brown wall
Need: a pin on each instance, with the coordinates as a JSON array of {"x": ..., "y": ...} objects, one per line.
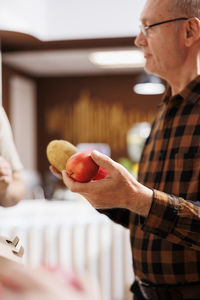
[
  {"x": 85, "y": 109},
  {"x": 7, "y": 74},
  {"x": 90, "y": 109}
]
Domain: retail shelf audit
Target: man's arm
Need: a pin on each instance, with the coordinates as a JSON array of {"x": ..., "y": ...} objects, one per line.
[
  {"x": 112, "y": 196},
  {"x": 166, "y": 216},
  {"x": 175, "y": 219},
  {"x": 118, "y": 190}
]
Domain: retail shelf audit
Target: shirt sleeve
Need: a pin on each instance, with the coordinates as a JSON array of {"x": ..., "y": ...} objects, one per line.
[
  {"x": 117, "y": 215},
  {"x": 7, "y": 145},
  {"x": 174, "y": 219}
]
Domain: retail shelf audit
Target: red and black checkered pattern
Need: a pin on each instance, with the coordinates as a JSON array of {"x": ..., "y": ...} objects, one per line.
[{"x": 166, "y": 244}]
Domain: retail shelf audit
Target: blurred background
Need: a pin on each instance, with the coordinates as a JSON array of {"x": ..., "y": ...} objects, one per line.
[{"x": 70, "y": 70}]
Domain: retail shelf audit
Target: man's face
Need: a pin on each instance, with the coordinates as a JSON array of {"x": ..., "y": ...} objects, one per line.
[{"x": 163, "y": 46}]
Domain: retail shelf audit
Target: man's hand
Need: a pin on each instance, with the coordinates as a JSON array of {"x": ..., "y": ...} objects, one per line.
[
  {"x": 55, "y": 172},
  {"x": 118, "y": 190}
]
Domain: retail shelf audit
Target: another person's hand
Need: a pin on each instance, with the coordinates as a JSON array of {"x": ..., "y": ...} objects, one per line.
[
  {"x": 20, "y": 283},
  {"x": 118, "y": 190},
  {"x": 5, "y": 173},
  {"x": 11, "y": 185}
]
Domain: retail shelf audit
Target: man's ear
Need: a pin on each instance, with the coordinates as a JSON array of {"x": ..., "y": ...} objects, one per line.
[{"x": 192, "y": 29}]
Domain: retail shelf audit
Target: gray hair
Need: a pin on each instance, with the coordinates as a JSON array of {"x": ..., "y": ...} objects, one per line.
[{"x": 187, "y": 8}]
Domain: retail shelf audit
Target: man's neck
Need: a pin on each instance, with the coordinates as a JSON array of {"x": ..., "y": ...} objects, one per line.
[
  {"x": 180, "y": 79},
  {"x": 181, "y": 84}
]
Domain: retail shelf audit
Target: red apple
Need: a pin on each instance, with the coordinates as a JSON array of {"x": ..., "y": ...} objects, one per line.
[
  {"x": 102, "y": 173},
  {"x": 81, "y": 167}
]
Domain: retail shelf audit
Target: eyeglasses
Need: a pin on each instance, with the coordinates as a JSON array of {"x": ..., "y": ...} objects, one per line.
[{"x": 144, "y": 28}]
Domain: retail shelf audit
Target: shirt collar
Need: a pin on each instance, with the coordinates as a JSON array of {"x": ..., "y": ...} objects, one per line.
[{"x": 190, "y": 93}]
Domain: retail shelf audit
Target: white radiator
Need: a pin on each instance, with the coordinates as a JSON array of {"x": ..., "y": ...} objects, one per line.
[{"x": 74, "y": 236}]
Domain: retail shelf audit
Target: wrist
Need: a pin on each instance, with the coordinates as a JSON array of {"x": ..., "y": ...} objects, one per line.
[{"x": 141, "y": 201}]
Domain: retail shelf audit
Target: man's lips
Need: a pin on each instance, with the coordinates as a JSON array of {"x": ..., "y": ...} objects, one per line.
[{"x": 146, "y": 55}]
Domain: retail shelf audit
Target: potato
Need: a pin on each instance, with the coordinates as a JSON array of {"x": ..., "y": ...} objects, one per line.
[{"x": 58, "y": 152}]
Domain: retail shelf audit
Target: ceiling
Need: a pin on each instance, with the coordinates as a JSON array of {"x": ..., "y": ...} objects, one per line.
[
  {"x": 67, "y": 19},
  {"x": 62, "y": 63},
  {"x": 44, "y": 21}
]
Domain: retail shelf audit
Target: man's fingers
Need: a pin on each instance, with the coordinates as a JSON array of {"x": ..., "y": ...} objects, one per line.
[
  {"x": 103, "y": 161},
  {"x": 79, "y": 187},
  {"x": 55, "y": 172},
  {"x": 70, "y": 183},
  {"x": 95, "y": 185}
]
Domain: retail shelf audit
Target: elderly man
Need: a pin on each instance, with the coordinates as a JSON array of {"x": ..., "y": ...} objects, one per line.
[{"x": 161, "y": 209}]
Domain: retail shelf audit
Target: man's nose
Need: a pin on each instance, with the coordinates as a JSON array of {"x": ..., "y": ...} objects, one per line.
[{"x": 140, "y": 40}]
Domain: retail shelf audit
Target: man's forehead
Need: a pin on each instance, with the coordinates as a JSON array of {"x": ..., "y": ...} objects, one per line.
[{"x": 154, "y": 9}]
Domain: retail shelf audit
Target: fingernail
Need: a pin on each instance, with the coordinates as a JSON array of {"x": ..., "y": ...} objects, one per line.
[{"x": 96, "y": 152}]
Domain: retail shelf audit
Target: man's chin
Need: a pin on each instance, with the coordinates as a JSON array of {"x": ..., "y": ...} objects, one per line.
[
  {"x": 150, "y": 70},
  {"x": 147, "y": 67}
]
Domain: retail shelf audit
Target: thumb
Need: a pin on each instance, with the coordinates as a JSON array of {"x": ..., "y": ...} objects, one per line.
[{"x": 103, "y": 161}]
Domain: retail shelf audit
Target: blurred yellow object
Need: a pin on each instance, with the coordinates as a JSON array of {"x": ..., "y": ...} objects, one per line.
[
  {"x": 136, "y": 138},
  {"x": 126, "y": 163},
  {"x": 135, "y": 168},
  {"x": 132, "y": 167}
]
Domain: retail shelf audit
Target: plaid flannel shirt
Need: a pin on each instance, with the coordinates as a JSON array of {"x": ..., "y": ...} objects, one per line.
[{"x": 166, "y": 244}]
